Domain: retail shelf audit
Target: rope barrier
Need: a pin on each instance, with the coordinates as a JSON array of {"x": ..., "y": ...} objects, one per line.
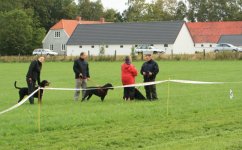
[
  {"x": 116, "y": 87},
  {"x": 20, "y": 103}
]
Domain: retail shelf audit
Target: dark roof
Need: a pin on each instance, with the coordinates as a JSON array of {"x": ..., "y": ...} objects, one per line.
[
  {"x": 164, "y": 32},
  {"x": 232, "y": 39}
]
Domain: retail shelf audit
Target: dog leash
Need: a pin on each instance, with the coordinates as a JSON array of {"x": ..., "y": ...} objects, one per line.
[{"x": 94, "y": 82}]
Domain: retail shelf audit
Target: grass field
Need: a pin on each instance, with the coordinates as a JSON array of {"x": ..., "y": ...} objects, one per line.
[{"x": 200, "y": 116}]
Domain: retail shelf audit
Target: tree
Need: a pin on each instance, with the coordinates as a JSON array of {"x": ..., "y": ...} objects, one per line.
[
  {"x": 158, "y": 10},
  {"x": 90, "y": 10},
  {"x": 119, "y": 17},
  {"x": 110, "y": 15},
  {"x": 155, "y": 11},
  {"x": 49, "y": 12},
  {"x": 8, "y": 5},
  {"x": 181, "y": 11},
  {"x": 136, "y": 11},
  {"x": 214, "y": 10},
  {"x": 18, "y": 35}
]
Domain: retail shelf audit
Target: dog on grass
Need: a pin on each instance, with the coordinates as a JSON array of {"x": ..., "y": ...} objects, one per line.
[
  {"x": 24, "y": 90},
  {"x": 138, "y": 95},
  {"x": 98, "y": 91}
]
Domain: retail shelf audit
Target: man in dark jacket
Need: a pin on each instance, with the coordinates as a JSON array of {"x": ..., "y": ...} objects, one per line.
[
  {"x": 149, "y": 71},
  {"x": 81, "y": 71},
  {"x": 33, "y": 75}
]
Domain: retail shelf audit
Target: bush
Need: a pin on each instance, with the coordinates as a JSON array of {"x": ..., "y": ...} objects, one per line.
[{"x": 177, "y": 57}]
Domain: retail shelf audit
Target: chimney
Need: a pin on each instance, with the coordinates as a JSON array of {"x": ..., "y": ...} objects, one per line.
[
  {"x": 102, "y": 20},
  {"x": 79, "y": 19}
]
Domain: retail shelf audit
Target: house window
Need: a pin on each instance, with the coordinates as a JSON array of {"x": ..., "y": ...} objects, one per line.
[
  {"x": 136, "y": 45},
  {"x": 211, "y": 45},
  {"x": 151, "y": 44},
  {"x": 202, "y": 45},
  {"x": 106, "y": 46},
  {"x": 165, "y": 45},
  {"x": 57, "y": 34},
  {"x": 63, "y": 47},
  {"x": 51, "y": 47},
  {"x": 80, "y": 46},
  {"x": 93, "y": 46},
  {"x": 121, "y": 46}
]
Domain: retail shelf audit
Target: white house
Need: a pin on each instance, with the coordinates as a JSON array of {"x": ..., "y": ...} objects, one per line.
[
  {"x": 60, "y": 33},
  {"x": 206, "y": 35},
  {"x": 172, "y": 36}
]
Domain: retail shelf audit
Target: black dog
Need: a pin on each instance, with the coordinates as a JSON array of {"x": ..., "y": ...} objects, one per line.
[
  {"x": 138, "y": 95},
  {"x": 24, "y": 91},
  {"x": 98, "y": 91}
]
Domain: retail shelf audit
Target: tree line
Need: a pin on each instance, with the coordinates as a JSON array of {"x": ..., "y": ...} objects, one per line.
[{"x": 24, "y": 23}]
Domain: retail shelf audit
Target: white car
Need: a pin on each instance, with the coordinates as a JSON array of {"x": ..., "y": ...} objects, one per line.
[
  {"x": 227, "y": 47},
  {"x": 147, "y": 48},
  {"x": 44, "y": 52}
]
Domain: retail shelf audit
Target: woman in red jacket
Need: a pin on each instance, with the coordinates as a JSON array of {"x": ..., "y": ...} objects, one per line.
[{"x": 128, "y": 77}]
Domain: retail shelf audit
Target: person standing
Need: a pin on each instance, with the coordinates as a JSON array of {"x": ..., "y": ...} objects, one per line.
[
  {"x": 33, "y": 75},
  {"x": 149, "y": 70},
  {"x": 128, "y": 73},
  {"x": 81, "y": 71}
]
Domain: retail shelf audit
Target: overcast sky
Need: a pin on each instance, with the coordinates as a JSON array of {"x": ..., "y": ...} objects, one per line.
[{"x": 119, "y": 5}]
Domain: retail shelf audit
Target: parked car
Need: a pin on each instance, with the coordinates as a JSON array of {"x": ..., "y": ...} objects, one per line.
[
  {"x": 227, "y": 47},
  {"x": 142, "y": 48},
  {"x": 40, "y": 51}
]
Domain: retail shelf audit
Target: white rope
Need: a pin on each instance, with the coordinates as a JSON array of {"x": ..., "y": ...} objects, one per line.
[
  {"x": 196, "y": 82},
  {"x": 139, "y": 84},
  {"x": 20, "y": 103},
  {"x": 116, "y": 87}
]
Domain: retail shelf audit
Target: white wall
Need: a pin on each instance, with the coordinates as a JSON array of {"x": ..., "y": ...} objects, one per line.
[
  {"x": 184, "y": 43},
  {"x": 75, "y": 50},
  {"x": 208, "y": 47},
  {"x": 162, "y": 47}
]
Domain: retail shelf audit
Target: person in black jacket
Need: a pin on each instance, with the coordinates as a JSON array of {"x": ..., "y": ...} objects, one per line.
[
  {"x": 33, "y": 75},
  {"x": 149, "y": 70},
  {"x": 81, "y": 71}
]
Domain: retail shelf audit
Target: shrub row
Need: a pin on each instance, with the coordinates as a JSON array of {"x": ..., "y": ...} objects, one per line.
[{"x": 180, "y": 57}]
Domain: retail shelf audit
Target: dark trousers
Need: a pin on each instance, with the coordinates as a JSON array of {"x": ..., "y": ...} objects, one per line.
[
  {"x": 129, "y": 93},
  {"x": 31, "y": 87},
  {"x": 150, "y": 91}
]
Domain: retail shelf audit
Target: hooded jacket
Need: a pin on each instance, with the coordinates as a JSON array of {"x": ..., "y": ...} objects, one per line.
[
  {"x": 128, "y": 74},
  {"x": 34, "y": 71}
]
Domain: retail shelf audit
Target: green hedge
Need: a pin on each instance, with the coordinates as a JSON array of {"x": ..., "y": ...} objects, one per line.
[{"x": 177, "y": 57}]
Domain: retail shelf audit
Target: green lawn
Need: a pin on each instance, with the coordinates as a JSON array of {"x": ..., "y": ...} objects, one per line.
[{"x": 200, "y": 116}]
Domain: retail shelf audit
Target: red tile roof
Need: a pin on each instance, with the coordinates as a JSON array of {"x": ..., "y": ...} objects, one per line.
[
  {"x": 210, "y": 32},
  {"x": 70, "y": 25}
]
